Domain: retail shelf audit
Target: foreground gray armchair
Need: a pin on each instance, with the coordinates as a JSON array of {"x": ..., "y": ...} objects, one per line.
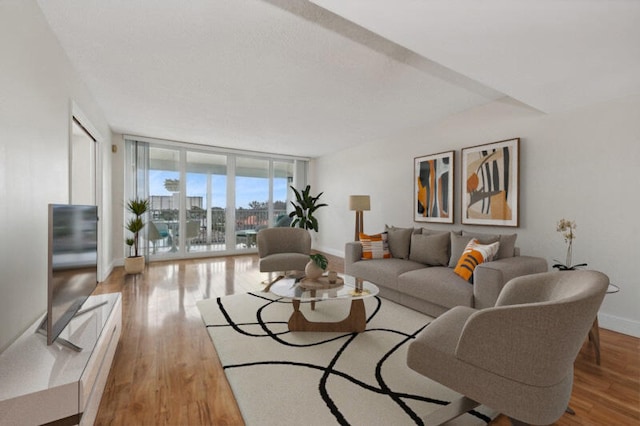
[
  {"x": 283, "y": 249},
  {"x": 517, "y": 357}
]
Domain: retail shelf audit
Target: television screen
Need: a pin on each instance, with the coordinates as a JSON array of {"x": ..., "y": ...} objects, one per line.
[{"x": 73, "y": 263}]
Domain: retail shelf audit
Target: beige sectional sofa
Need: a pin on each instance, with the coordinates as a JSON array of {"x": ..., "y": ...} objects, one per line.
[{"x": 420, "y": 274}]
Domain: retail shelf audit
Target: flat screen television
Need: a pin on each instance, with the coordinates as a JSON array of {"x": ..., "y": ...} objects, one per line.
[{"x": 73, "y": 263}]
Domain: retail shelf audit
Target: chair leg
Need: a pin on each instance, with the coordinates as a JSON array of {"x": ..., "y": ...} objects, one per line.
[
  {"x": 270, "y": 278},
  {"x": 272, "y": 282},
  {"x": 449, "y": 412},
  {"x": 594, "y": 337}
]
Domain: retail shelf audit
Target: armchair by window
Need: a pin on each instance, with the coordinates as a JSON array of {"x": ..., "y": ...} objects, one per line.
[{"x": 283, "y": 249}]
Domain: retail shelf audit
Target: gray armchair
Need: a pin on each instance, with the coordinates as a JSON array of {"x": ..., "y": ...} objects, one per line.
[
  {"x": 283, "y": 249},
  {"x": 517, "y": 357}
]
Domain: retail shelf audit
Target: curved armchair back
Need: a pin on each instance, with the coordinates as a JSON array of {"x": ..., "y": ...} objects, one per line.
[
  {"x": 283, "y": 240},
  {"x": 516, "y": 357},
  {"x": 537, "y": 327}
]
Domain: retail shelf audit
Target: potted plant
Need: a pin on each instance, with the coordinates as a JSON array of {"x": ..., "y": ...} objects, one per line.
[
  {"x": 316, "y": 266},
  {"x": 304, "y": 209},
  {"x": 134, "y": 263}
]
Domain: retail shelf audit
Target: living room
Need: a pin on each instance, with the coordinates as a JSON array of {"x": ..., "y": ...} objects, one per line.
[{"x": 577, "y": 162}]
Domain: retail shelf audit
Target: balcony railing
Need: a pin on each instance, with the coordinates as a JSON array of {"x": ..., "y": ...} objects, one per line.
[{"x": 204, "y": 236}]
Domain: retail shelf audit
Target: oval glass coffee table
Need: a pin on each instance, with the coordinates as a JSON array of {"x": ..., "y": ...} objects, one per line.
[{"x": 347, "y": 288}]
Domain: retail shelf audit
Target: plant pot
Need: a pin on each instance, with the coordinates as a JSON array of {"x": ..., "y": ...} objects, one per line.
[
  {"x": 134, "y": 265},
  {"x": 313, "y": 271}
]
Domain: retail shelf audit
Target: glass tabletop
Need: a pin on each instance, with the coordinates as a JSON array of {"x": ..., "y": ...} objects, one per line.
[{"x": 315, "y": 290}]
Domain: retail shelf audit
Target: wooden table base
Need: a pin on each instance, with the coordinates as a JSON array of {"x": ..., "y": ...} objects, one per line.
[{"x": 356, "y": 321}]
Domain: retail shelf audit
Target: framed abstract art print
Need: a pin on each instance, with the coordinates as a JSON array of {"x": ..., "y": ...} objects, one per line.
[
  {"x": 490, "y": 184},
  {"x": 433, "y": 188}
]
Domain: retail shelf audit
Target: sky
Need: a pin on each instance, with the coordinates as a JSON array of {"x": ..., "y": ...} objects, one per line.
[{"x": 248, "y": 189}]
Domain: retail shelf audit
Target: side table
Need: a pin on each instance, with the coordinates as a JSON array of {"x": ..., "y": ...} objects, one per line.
[{"x": 594, "y": 333}]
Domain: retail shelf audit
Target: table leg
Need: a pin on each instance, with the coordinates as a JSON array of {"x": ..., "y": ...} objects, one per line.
[{"x": 356, "y": 321}]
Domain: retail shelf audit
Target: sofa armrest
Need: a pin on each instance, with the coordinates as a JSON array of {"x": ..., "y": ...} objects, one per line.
[
  {"x": 489, "y": 278},
  {"x": 352, "y": 253}
]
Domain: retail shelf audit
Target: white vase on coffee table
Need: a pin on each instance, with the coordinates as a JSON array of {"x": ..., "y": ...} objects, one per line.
[{"x": 312, "y": 270}]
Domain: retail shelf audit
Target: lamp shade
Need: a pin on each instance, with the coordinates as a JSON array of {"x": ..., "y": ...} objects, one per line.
[{"x": 359, "y": 202}]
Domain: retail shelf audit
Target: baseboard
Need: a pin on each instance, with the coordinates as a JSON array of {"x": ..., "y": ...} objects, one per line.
[
  {"x": 338, "y": 253},
  {"x": 106, "y": 272},
  {"x": 620, "y": 325}
]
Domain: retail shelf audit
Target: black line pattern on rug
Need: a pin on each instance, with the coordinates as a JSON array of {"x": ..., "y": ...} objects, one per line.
[
  {"x": 268, "y": 332},
  {"x": 329, "y": 370},
  {"x": 398, "y": 398}
]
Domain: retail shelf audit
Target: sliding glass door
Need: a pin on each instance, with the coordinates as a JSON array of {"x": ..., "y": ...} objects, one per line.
[
  {"x": 207, "y": 202},
  {"x": 163, "y": 179},
  {"x": 251, "y": 199},
  {"x": 282, "y": 194}
]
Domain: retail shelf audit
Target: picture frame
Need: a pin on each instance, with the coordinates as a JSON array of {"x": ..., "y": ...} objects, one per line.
[
  {"x": 433, "y": 187},
  {"x": 491, "y": 184}
]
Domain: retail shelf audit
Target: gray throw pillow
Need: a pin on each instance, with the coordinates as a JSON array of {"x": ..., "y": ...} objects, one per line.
[
  {"x": 432, "y": 250},
  {"x": 507, "y": 242},
  {"x": 399, "y": 240},
  {"x": 507, "y": 246},
  {"x": 458, "y": 244},
  {"x": 482, "y": 238},
  {"x": 426, "y": 231}
]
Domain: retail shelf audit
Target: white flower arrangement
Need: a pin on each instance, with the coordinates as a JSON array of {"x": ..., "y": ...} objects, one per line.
[{"x": 567, "y": 229}]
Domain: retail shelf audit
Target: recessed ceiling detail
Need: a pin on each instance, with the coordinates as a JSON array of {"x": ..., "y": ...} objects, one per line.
[{"x": 299, "y": 78}]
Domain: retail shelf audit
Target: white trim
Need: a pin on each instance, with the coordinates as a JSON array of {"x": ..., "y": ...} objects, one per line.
[
  {"x": 81, "y": 117},
  {"x": 619, "y": 324}
]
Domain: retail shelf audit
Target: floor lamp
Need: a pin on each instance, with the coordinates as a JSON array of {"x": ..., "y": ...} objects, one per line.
[{"x": 359, "y": 203}]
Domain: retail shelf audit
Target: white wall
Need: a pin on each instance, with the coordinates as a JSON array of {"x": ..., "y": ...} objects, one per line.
[
  {"x": 582, "y": 165},
  {"x": 38, "y": 86}
]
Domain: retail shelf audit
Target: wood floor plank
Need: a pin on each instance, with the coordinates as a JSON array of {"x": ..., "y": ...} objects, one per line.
[{"x": 167, "y": 372}]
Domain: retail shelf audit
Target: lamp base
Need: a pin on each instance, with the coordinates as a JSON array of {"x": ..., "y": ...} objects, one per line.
[{"x": 359, "y": 224}]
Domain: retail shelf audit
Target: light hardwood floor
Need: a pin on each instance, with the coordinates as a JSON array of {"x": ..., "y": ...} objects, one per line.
[{"x": 166, "y": 371}]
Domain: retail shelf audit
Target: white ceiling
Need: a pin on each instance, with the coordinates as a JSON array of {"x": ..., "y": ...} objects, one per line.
[{"x": 291, "y": 77}]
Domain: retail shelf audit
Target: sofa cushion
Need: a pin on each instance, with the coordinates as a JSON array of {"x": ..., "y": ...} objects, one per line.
[
  {"x": 507, "y": 242},
  {"x": 431, "y": 250},
  {"x": 383, "y": 272},
  {"x": 475, "y": 254},
  {"x": 374, "y": 246},
  {"x": 399, "y": 241},
  {"x": 437, "y": 284}
]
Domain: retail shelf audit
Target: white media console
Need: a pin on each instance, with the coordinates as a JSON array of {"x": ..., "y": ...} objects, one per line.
[{"x": 42, "y": 384}]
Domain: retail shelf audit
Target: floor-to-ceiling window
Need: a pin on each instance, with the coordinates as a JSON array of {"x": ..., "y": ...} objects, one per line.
[
  {"x": 208, "y": 201},
  {"x": 163, "y": 177},
  {"x": 251, "y": 199},
  {"x": 283, "y": 178},
  {"x": 207, "y": 194}
]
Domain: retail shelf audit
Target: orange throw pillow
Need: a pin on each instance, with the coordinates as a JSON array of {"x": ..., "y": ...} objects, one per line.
[
  {"x": 374, "y": 246},
  {"x": 473, "y": 255}
]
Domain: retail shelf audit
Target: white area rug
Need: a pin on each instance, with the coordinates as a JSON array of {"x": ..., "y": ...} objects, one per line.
[{"x": 293, "y": 378}]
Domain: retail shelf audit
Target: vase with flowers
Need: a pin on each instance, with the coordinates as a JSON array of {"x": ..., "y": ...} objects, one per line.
[{"x": 567, "y": 228}]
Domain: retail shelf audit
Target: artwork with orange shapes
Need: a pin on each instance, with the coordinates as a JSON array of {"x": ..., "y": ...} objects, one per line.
[
  {"x": 433, "y": 188},
  {"x": 490, "y": 181}
]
